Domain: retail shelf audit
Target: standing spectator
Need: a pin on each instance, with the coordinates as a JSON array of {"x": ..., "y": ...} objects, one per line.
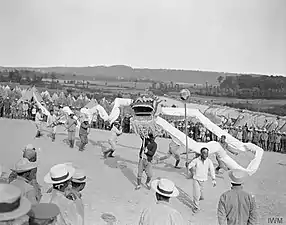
[
  {"x": 7, "y": 107},
  {"x": 264, "y": 140},
  {"x": 277, "y": 142},
  {"x": 283, "y": 142},
  {"x": 25, "y": 110},
  {"x": 249, "y": 135},
  {"x": 255, "y": 139},
  {"x": 237, "y": 207},
  {"x": 271, "y": 141},
  {"x": 239, "y": 134},
  {"x": 244, "y": 134},
  {"x": 60, "y": 176},
  {"x": 34, "y": 111},
  {"x": 162, "y": 213},
  {"x": 201, "y": 165}
]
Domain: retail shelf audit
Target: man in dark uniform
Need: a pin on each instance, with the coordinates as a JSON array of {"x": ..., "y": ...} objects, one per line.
[{"x": 145, "y": 160}]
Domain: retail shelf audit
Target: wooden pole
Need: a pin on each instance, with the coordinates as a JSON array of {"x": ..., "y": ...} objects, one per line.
[{"x": 186, "y": 132}]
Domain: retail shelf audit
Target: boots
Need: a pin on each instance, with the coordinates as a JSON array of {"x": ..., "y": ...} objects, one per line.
[
  {"x": 148, "y": 183},
  {"x": 72, "y": 143},
  {"x": 38, "y": 134},
  {"x": 53, "y": 137},
  {"x": 108, "y": 153},
  {"x": 138, "y": 184},
  {"x": 111, "y": 154},
  {"x": 177, "y": 163}
]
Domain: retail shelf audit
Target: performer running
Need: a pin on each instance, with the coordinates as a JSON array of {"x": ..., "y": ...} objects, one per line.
[
  {"x": 38, "y": 121},
  {"x": 116, "y": 131},
  {"x": 71, "y": 128},
  {"x": 145, "y": 161},
  {"x": 52, "y": 123},
  {"x": 226, "y": 147},
  {"x": 83, "y": 132},
  {"x": 174, "y": 146}
]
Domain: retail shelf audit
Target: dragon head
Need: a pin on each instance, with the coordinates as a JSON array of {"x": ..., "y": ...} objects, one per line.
[{"x": 144, "y": 109}]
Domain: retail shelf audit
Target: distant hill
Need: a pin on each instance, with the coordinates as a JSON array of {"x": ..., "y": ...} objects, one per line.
[{"x": 182, "y": 76}]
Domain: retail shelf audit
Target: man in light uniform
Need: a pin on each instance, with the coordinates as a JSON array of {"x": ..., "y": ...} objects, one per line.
[
  {"x": 162, "y": 213},
  {"x": 71, "y": 128},
  {"x": 174, "y": 146},
  {"x": 52, "y": 123},
  {"x": 202, "y": 166},
  {"x": 38, "y": 121},
  {"x": 115, "y": 132},
  {"x": 236, "y": 206}
]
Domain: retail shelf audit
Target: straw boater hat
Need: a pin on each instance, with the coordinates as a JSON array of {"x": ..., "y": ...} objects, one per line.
[
  {"x": 59, "y": 174},
  {"x": 79, "y": 176},
  {"x": 24, "y": 165},
  {"x": 165, "y": 187},
  {"x": 12, "y": 204},
  {"x": 237, "y": 176}
]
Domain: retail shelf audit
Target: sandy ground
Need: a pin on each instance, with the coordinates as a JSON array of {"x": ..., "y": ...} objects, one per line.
[{"x": 111, "y": 183}]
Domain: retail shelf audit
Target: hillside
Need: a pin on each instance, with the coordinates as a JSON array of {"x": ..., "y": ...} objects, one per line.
[{"x": 184, "y": 76}]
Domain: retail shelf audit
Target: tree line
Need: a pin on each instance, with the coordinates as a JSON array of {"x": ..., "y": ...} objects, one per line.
[{"x": 247, "y": 86}]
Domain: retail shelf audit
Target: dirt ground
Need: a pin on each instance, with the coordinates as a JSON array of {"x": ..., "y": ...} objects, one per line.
[{"x": 110, "y": 187}]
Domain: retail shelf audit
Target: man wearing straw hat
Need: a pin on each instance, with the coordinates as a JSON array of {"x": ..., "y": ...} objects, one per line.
[
  {"x": 162, "y": 213},
  {"x": 23, "y": 168},
  {"x": 60, "y": 176},
  {"x": 29, "y": 153},
  {"x": 236, "y": 206},
  {"x": 13, "y": 206},
  {"x": 78, "y": 181}
]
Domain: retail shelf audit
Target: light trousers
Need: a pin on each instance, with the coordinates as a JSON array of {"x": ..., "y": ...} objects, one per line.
[{"x": 198, "y": 188}]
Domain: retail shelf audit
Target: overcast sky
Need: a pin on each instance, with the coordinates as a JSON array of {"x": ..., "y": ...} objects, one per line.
[{"x": 219, "y": 35}]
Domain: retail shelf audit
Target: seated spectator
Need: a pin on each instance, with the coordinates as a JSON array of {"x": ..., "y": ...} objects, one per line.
[
  {"x": 14, "y": 206},
  {"x": 24, "y": 168},
  {"x": 44, "y": 214}
]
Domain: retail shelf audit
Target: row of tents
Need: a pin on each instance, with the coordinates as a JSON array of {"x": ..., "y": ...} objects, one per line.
[{"x": 217, "y": 114}]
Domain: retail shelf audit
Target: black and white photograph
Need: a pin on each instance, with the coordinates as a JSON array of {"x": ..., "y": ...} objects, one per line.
[{"x": 151, "y": 112}]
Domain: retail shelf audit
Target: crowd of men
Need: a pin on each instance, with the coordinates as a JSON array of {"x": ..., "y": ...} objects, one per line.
[
  {"x": 274, "y": 141},
  {"x": 268, "y": 140},
  {"x": 22, "y": 201},
  {"x": 67, "y": 183}
]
